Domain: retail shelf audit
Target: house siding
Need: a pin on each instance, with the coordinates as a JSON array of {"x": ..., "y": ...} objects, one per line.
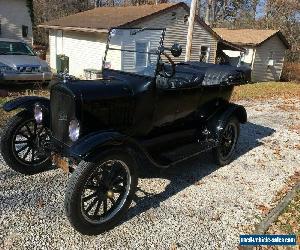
[
  {"x": 14, "y": 14},
  {"x": 52, "y": 48},
  {"x": 85, "y": 50},
  {"x": 261, "y": 70},
  {"x": 176, "y": 31},
  {"x": 127, "y": 62}
]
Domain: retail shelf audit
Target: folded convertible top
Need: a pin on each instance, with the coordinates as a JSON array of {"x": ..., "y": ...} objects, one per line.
[{"x": 189, "y": 74}]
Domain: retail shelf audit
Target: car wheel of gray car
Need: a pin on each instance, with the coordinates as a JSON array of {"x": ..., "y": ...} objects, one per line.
[
  {"x": 21, "y": 144},
  {"x": 99, "y": 193},
  {"x": 228, "y": 138}
]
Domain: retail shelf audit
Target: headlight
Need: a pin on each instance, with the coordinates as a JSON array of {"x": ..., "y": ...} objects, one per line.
[
  {"x": 74, "y": 130},
  {"x": 38, "y": 113},
  {"x": 6, "y": 69}
]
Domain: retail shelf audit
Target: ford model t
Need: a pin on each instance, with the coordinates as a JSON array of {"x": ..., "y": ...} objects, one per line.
[{"x": 104, "y": 131}]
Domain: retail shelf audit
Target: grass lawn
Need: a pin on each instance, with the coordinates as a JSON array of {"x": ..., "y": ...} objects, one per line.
[
  {"x": 289, "y": 221},
  {"x": 266, "y": 90}
]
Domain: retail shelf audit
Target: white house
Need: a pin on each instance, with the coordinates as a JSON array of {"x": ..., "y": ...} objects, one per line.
[
  {"x": 265, "y": 51},
  {"x": 15, "y": 21},
  {"x": 82, "y": 37}
]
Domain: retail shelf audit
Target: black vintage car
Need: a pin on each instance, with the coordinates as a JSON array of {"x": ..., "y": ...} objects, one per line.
[{"x": 105, "y": 131}]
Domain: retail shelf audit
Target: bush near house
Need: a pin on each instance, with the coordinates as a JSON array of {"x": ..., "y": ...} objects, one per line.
[{"x": 291, "y": 71}]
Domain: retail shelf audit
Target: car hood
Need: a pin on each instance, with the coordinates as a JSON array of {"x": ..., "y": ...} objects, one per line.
[
  {"x": 16, "y": 60},
  {"x": 98, "y": 89}
]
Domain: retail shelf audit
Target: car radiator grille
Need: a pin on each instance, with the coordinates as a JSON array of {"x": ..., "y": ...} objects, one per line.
[
  {"x": 62, "y": 112},
  {"x": 29, "y": 69}
]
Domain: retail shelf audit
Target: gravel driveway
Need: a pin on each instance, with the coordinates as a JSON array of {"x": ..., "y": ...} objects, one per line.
[{"x": 192, "y": 206}]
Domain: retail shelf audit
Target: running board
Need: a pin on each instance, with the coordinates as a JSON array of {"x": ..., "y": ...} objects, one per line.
[{"x": 180, "y": 154}]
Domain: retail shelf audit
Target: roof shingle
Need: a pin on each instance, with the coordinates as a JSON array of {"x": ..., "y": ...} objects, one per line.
[
  {"x": 108, "y": 17},
  {"x": 252, "y": 37}
]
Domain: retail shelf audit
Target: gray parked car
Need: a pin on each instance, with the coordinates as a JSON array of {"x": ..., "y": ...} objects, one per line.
[{"x": 19, "y": 63}]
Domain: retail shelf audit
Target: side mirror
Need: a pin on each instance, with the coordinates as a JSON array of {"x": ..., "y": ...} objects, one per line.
[{"x": 176, "y": 49}]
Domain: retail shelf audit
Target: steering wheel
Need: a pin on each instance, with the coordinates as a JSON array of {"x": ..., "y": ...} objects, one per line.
[{"x": 163, "y": 72}]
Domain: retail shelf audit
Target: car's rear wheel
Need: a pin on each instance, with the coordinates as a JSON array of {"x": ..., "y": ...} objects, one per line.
[
  {"x": 21, "y": 144},
  {"x": 99, "y": 193},
  {"x": 224, "y": 152}
]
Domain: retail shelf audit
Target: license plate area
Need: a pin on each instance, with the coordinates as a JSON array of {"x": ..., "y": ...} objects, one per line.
[{"x": 61, "y": 162}]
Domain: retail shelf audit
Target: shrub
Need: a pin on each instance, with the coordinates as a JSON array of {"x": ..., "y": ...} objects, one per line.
[{"x": 291, "y": 72}]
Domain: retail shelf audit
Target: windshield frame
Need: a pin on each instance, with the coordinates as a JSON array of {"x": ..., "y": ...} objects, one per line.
[
  {"x": 30, "y": 50},
  {"x": 140, "y": 29}
]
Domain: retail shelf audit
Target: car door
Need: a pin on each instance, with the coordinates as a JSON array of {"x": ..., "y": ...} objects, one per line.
[
  {"x": 188, "y": 99},
  {"x": 166, "y": 102}
]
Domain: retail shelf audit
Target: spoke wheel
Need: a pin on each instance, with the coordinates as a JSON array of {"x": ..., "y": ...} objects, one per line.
[
  {"x": 105, "y": 191},
  {"x": 100, "y": 192},
  {"x": 224, "y": 152},
  {"x": 22, "y": 144},
  {"x": 228, "y": 140},
  {"x": 27, "y": 140}
]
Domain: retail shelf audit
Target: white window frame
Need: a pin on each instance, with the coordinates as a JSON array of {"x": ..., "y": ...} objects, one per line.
[
  {"x": 271, "y": 60},
  {"x": 207, "y": 52},
  {"x": 148, "y": 46}
]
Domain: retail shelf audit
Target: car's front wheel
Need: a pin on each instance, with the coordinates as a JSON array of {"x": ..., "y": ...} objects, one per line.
[
  {"x": 99, "y": 193},
  {"x": 21, "y": 144}
]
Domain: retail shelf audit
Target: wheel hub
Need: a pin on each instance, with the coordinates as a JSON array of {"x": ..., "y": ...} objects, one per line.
[{"x": 110, "y": 194}]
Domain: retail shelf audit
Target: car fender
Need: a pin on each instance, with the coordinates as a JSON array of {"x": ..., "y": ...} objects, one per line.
[
  {"x": 26, "y": 102},
  {"x": 236, "y": 110},
  {"x": 217, "y": 123},
  {"x": 87, "y": 147}
]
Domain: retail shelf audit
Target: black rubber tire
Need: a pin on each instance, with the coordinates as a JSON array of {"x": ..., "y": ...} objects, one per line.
[
  {"x": 75, "y": 186},
  {"x": 218, "y": 157},
  {"x": 6, "y": 146}
]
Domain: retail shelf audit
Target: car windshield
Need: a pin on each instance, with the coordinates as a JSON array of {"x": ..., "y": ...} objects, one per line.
[
  {"x": 15, "y": 48},
  {"x": 133, "y": 50}
]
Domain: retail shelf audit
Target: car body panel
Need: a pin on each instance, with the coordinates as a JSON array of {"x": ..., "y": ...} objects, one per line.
[
  {"x": 130, "y": 109},
  {"x": 15, "y": 61},
  {"x": 25, "y": 67},
  {"x": 20, "y": 78}
]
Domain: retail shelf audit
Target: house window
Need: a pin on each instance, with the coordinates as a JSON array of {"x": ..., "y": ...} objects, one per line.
[
  {"x": 174, "y": 15},
  {"x": 271, "y": 60},
  {"x": 24, "y": 31},
  {"x": 186, "y": 19},
  {"x": 204, "y": 53},
  {"x": 141, "y": 58}
]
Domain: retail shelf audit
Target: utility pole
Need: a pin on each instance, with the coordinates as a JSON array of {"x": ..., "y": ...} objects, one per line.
[{"x": 190, "y": 30}]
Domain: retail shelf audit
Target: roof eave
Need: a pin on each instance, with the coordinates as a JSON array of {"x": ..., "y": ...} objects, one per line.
[
  {"x": 232, "y": 45},
  {"x": 57, "y": 27},
  {"x": 281, "y": 37}
]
